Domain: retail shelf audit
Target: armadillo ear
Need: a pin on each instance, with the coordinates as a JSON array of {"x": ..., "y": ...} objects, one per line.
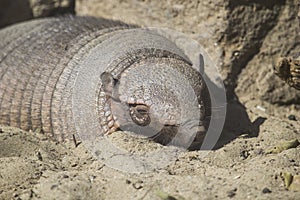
[
  {"x": 110, "y": 86},
  {"x": 119, "y": 110}
]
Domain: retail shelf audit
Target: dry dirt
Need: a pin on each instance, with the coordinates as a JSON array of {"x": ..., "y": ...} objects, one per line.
[{"x": 243, "y": 38}]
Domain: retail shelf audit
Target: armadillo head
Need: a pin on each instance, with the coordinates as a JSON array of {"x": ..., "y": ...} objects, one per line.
[{"x": 162, "y": 98}]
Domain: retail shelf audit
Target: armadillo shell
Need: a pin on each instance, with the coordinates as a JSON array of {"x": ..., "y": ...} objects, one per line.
[{"x": 50, "y": 69}]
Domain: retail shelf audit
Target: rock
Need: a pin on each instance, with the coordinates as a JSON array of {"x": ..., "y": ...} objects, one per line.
[
  {"x": 14, "y": 11},
  {"x": 164, "y": 196},
  {"x": 231, "y": 193},
  {"x": 291, "y": 182},
  {"x": 292, "y": 117},
  {"x": 283, "y": 146},
  {"x": 266, "y": 190},
  {"x": 282, "y": 40},
  {"x": 243, "y": 49},
  {"x": 19, "y": 10},
  {"x": 243, "y": 37},
  {"x": 295, "y": 185},
  {"x": 45, "y": 8},
  {"x": 138, "y": 185}
]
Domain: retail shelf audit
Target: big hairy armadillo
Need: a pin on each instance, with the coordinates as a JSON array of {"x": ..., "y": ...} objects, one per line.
[{"x": 43, "y": 62}]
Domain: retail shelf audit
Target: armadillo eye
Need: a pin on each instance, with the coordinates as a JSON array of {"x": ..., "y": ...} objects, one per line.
[
  {"x": 141, "y": 109},
  {"x": 140, "y": 114}
]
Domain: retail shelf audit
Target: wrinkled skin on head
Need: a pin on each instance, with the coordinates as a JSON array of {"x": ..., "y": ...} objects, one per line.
[{"x": 161, "y": 98}]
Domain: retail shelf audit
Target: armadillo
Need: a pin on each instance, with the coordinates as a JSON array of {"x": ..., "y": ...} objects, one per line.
[{"x": 133, "y": 77}]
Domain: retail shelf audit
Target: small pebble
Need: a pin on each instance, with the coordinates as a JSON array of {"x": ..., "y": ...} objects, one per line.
[
  {"x": 74, "y": 165},
  {"x": 138, "y": 185},
  {"x": 1, "y": 131},
  {"x": 236, "y": 53},
  {"x": 164, "y": 196},
  {"x": 292, "y": 117},
  {"x": 92, "y": 178},
  {"x": 287, "y": 178},
  {"x": 53, "y": 187},
  {"x": 261, "y": 108},
  {"x": 266, "y": 190},
  {"x": 283, "y": 146},
  {"x": 65, "y": 176},
  {"x": 295, "y": 184},
  {"x": 244, "y": 154},
  {"x": 39, "y": 155},
  {"x": 232, "y": 193}
]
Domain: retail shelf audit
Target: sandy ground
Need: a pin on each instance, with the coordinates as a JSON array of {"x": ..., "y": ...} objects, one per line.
[
  {"x": 257, "y": 151},
  {"x": 33, "y": 166}
]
